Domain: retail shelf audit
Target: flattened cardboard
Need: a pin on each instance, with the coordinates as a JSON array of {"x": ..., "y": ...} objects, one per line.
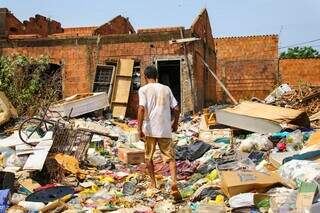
[
  {"x": 314, "y": 139},
  {"x": 236, "y": 182}
]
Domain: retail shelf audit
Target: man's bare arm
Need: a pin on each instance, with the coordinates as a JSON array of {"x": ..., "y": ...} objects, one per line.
[
  {"x": 140, "y": 120},
  {"x": 176, "y": 114}
]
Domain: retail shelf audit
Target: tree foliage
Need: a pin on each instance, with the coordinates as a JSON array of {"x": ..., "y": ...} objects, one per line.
[
  {"x": 300, "y": 52},
  {"x": 23, "y": 81}
]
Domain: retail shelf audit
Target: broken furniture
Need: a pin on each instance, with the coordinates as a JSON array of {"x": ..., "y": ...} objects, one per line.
[
  {"x": 65, "y": 136},
  {"x": 104, "y": 79},
  {"x": 121, "y": 90},
  {"x": 80, "y": 104},
  {"x": 261, "y": 118}
]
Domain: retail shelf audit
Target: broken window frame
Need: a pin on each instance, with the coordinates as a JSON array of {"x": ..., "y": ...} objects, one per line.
[{"x": 107, "y": 84}]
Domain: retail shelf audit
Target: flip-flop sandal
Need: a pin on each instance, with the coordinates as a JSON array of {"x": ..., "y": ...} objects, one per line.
[{"x": 176, "y": 194}]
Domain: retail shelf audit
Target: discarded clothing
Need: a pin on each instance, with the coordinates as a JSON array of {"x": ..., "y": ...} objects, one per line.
[
  {"x": 184, "y": 169},
  {"x": 256, "y": 157},
  {"x": 4, "y": 196},
  {"x": 192, "y": 152},
  {"x": 50, "y": 194},
  {"x": 207, "y": 167},
  {"x": 303, "y": 156},
  {"x": 7, "y": 180}
]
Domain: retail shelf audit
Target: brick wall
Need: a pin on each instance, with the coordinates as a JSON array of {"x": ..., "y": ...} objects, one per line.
[
  {"x": 118, "y": 25},
  {"x": 141, "y": 52},
  {"x": 297, "y": 71},
  {"x": 80, "y": 54},
  {"x": 75, "y": 31},
  {"x": 247, "y": 65},
  {"x": 9, "y": 24},
  {"x": 79, "y": 61},
  {"x": 41, "y": 25},
  {"x": 72, "y": 57},
  {"x": 204, "y": 82}
]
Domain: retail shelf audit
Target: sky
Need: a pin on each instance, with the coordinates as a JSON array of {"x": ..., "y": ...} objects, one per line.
[{"x": 295, "y": 21}]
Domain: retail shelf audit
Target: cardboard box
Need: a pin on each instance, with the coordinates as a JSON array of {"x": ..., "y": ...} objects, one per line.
[
  {"x": 236, "y": 182},
  {"x": 131, "y": 155}
]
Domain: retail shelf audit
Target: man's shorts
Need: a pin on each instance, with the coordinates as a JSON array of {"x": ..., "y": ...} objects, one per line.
[{"x": 165, "y": 145}]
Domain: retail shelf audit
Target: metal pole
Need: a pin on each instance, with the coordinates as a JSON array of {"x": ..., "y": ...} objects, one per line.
[{"x": 219, "y": 82}]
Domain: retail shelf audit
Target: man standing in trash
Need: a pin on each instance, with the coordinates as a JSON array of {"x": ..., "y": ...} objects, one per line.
[{"x": 154, "y": 124}]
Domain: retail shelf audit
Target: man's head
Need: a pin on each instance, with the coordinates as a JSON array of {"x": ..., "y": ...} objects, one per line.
[{"x": 151, "y": 73}]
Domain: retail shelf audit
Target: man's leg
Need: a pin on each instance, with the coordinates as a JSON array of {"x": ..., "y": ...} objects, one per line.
[
  {"x": 150, "y": 145},
  {"x": 168, "y": 152},
  {"x": 173, "y": 172},
  {"x": 165, "y": 145}
]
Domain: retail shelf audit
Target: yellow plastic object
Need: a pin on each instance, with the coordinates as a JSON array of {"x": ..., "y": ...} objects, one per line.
[
  {"x": 212, "y": 176},
  {"x": 94, "y": 188},
  {"x": 218, "y": 201},
  {"x": 106, "y": 179}
]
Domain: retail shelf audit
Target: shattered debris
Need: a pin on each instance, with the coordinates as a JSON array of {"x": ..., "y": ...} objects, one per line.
[{"x": 97, "y": 164}]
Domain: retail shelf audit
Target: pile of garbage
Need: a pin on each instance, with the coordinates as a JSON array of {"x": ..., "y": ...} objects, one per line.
[
  {"x": 253, "y": 157},
  {"x": 304, "y": 97}
]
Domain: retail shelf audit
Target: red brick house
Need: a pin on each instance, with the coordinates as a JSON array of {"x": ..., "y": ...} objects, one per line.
[{"x": 81, "y": 51}]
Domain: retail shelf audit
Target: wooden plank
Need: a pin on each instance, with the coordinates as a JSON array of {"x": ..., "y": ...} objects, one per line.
[
  {"x": 122, "y": 94},
  {"x": 122, "y": 85},
  {"x": 36, "y": 160},
  {"x": 119, "y": 110}
]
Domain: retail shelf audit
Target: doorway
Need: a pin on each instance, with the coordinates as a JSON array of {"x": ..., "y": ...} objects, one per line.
[{"x": 169, "y": 74}]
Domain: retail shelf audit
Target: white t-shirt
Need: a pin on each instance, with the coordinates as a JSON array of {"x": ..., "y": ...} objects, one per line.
[{"x": 157, "y": 99}]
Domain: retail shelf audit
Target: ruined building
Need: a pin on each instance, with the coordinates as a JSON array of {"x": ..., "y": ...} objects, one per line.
[
  {"x": 83, "y": 53},
  {"x": 248, "y": 65}
]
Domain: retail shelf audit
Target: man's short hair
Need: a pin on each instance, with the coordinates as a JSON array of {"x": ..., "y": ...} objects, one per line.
[{"x": 151, "y": 72}]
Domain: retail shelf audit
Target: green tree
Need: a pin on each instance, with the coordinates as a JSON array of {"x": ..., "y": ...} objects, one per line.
[{"x": 300, "y": 52}]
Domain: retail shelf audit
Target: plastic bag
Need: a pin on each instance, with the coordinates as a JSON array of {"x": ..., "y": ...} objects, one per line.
[
  {"x": 282, "y": 199},
  {"x": 96, "y": 159},
  {"x": 300, "y": 170},
  {"x": 294, "y": 141},
  {"x": 256, "y": 142},
  {"x": 102, "y": 194},
  {"x": 13, "y": 161}
]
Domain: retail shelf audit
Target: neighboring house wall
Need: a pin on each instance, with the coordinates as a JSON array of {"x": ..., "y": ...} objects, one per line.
[
  {"x": 248, "y": 66},
  {"x": 300, "y": 71}
]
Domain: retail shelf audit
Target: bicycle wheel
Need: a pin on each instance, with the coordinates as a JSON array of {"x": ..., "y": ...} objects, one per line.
[{"x": 33, "y": 130}]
